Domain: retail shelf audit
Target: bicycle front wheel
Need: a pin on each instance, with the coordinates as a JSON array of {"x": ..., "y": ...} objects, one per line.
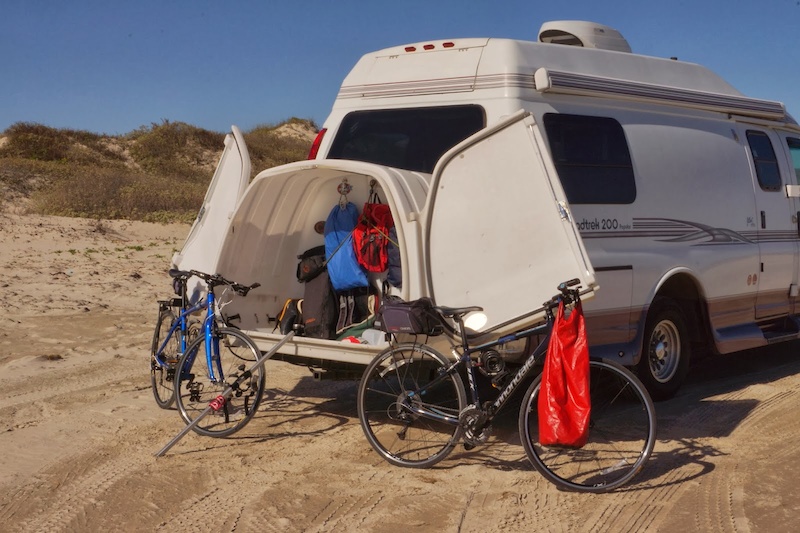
[
  {"x": 202, "y": 379},
  {"x": 162, "y": 364},
  {"x": 408, "y": 405},
  {"x": 622, "y": 433}
]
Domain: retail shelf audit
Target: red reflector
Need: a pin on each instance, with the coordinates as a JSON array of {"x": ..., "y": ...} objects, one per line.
[
  {"x": 312, "y": 154},
  {"x": 411, "y": 49},
  {"x": 448, "y": 45},
  {"x": 428, "y": 47}
]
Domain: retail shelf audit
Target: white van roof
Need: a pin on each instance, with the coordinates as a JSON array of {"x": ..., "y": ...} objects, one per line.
[{"x": 531, "y": 69}]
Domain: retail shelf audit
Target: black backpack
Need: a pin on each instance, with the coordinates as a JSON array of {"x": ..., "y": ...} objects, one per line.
[{"x": 320, "y": 309}]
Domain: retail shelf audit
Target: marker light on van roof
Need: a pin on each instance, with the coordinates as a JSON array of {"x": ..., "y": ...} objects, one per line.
[
  {"x": 429, "y": 46},
  {"x": 312, "y": 154}
]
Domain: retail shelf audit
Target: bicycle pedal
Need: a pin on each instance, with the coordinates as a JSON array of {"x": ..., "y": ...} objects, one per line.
[{"x": 468, "y": 446}]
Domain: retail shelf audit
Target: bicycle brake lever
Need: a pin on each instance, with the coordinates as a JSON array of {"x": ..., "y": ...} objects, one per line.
[{"x": 244, "y": 289}]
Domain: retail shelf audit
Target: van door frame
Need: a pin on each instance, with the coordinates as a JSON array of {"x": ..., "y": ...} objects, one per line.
[
  {"x": 776, "y": 223},
  {"x": 793, "y": 178}
]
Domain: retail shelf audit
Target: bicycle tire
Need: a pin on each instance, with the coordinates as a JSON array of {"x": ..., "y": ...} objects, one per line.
[
  {"x": 386, "y": 397},
  {"x": 162, "y": 368},
  {"x": 194, "y": 388},
  {"x": 622, "y": 433}
]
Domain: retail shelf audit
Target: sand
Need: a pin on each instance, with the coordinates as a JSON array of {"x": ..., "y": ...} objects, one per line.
[{"x": 79, "y": 427}]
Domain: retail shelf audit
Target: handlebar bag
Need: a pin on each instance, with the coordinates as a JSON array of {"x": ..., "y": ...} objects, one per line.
[
  {"x": 564, "y": 404},
  {"x": 416, "y": 317},
  {"x": 311, "y": 263}
]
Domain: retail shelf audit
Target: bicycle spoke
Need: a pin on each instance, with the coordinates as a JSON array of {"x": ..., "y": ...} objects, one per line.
[
  {"x": 196, "y": 390},
  {"x": 621, "y": 434},
  {"x": 399, "y": 415},
  {"x": 162, "y": 363}
]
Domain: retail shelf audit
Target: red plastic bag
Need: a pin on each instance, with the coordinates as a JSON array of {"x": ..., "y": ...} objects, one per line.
[{"x": 564, "y": 402}]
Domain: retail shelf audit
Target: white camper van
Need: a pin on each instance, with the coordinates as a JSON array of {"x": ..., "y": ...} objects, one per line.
[{"x": 674, "y": 193}]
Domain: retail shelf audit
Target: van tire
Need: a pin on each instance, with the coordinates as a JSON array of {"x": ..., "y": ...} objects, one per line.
[{"x": 665, "y": 351}]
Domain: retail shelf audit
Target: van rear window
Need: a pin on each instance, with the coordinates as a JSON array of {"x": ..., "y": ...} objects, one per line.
[
  {"x": 411, "y": 139},
  {"x": 592, "y": 159}
]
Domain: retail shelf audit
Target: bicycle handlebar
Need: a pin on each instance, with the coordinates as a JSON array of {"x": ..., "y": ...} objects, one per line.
[
  {"x": 563, "y": 286},
  {"x": 566, "y": 293},
  {"x": 213, "y": 280}
]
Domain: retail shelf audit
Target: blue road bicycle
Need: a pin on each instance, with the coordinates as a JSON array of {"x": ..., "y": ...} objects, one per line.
[{"x": 215, "y": 358}]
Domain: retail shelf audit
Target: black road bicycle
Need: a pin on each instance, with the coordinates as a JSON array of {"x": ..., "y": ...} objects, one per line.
[{"x": 414, "y": 408}]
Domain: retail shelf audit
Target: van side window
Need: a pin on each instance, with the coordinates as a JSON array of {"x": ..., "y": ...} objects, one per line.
[
  {"x": 592, "y": 158},
  {"x": 411, "y": 139},
  {"x": 767, "y": 172},
  {"x": 794, "y": 150}
]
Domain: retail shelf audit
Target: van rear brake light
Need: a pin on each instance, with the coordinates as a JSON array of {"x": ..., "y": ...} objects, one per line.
[{"x": 312, "y": 154}]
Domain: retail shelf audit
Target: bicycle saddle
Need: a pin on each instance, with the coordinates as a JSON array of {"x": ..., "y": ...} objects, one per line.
[
  {"x": 456, "y": 311},
  {"x": 175, "y": 273}
]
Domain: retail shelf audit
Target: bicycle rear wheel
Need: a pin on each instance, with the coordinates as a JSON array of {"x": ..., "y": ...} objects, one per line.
[
  {"x": 197, "y": 384},
  {"x": 622, "y": 433},
  {"x": 404, "y": 422},
  {"x": 162, "y": 365}
]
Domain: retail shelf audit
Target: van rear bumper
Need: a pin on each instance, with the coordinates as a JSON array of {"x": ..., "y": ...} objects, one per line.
[{"x": 315, "y": 350}]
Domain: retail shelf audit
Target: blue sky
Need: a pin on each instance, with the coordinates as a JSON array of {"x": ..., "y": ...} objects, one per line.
[{"x": 110, "y": 66}]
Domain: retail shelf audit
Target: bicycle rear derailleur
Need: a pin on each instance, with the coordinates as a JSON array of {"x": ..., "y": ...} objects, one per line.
[{"x": 476, "y": 426}]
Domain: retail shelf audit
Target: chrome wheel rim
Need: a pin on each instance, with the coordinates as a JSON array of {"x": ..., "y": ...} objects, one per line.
[{"x": 665, "y": 351}]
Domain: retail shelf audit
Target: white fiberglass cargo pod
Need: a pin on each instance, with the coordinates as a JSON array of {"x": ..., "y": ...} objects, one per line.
[
  {"x": 490, "y": 227},
  {"x": 498, "y": 230},
  {"x": 202, "y": 246}
]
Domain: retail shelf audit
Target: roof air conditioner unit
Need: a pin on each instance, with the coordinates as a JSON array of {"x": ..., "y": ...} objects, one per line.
[{"x": 585, "y": 34}]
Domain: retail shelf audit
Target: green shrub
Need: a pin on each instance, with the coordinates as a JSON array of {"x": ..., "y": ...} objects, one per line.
[
  {"x": 116, "y": 193},
  {"x": 36, "y": 141},
  {"x": 156, "y": 173},
  {"x": 269, "y": 148},
  {"x": 20, "y": 176},
  {"x": 173, "y": 147}
]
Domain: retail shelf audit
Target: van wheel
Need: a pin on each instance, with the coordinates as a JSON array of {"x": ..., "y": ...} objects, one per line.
[{"x": 665, "y": 352}]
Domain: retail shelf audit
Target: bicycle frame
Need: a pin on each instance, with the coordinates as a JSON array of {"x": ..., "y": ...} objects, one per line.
[
  {"x": 465, "y": 358},
  {"x": 182, "y": 324},
  {"x": 212, "y": 342}
]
